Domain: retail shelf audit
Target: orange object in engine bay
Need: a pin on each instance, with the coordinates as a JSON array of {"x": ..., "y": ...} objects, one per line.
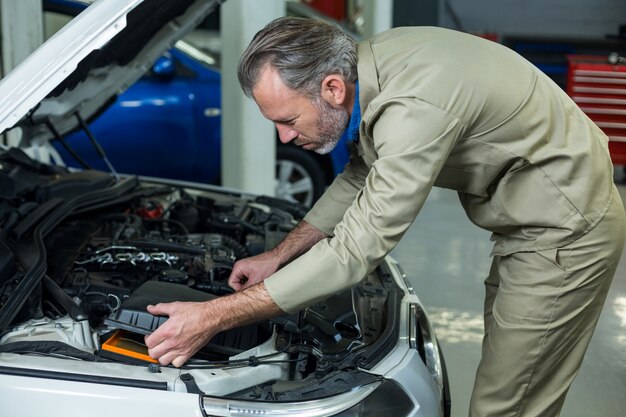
[{"x": 128, "y": 344}]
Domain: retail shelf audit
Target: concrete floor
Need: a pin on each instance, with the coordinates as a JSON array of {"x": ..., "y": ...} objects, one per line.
[{"x": 447, "y": 258}]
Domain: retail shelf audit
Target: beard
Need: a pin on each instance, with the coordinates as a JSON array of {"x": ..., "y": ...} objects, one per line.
[{"x": 331, "y": 123}]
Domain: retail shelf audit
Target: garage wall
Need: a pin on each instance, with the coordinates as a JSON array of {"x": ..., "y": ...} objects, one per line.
[
  {"x": 20, "y": 31},
  {"x": 580, "y": 18}
]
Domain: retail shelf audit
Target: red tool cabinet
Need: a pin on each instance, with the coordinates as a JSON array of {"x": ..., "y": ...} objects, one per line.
[{"x": 599, "y": 89}]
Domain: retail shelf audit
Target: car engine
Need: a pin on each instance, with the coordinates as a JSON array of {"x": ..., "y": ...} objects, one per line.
[{"x": 83, "y": 255}]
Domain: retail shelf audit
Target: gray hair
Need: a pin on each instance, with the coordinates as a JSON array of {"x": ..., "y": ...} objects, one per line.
[{"x": 303, "y": 51}]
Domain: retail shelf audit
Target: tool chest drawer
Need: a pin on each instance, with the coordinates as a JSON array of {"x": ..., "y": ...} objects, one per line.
[{"x": 599, "y": 89}]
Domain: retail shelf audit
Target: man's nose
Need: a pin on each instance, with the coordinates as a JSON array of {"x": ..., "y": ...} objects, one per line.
[{"x": 285, "y": 133}]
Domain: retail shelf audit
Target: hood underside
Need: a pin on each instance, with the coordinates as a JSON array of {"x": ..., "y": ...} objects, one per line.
[{"x": 90, "y": 61}]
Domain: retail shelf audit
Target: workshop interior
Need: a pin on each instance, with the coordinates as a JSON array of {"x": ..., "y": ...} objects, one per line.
[{"x": 135, "y": 171}]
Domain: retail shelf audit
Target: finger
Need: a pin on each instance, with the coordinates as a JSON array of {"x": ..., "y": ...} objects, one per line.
[
  {"x": 238, "y": 285},
  {"x": 247, "y": 284},
  {"x": 155, "y": 338},
  {"x": 180, "y": 361},
  {"x": 151, "y": 341},
  {"x": 237, "y": 279},
  {"x": 233, "y": 279},
  {"x": 160, "y": 349},
  {"x": 161, "y": 309},
  {"x": 167, "y": 358}
]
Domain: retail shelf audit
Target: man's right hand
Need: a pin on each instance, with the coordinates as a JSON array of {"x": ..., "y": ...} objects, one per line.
[{"x": 250, "y": 271}]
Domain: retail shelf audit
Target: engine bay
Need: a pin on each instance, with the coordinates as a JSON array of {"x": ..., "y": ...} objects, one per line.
[{"x": 109, "y": 248}]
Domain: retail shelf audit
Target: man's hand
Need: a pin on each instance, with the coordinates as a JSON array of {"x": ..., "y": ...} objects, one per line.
[
  {"x": 250, "y": 271},
  {"x": 189, "y": 327}
]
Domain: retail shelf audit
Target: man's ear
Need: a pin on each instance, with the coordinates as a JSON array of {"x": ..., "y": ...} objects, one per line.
[{"x": 334, "y": 90}]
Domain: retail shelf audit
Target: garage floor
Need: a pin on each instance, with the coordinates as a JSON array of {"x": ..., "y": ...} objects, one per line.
[{"x": 447, "y": 258}]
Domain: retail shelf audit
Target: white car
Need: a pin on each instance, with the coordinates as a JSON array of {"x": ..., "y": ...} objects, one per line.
[{"x": 83, "y": 253}]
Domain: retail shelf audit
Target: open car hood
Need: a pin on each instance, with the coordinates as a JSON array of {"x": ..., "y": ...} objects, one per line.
[{"x": 90, "y": 61}]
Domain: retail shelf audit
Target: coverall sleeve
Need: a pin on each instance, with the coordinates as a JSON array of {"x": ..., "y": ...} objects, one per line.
[
  {"x": 412, "y": 140},
  {"x": 330, "y": 208}
]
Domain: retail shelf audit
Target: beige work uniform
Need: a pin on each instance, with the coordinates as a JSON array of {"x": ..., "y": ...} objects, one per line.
[{"x": 452, "y": 110}]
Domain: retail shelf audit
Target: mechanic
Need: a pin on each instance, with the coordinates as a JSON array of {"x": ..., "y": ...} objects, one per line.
[{"x": 433, "y": 107}]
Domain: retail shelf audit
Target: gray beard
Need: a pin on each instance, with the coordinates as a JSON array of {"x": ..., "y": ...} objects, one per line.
[{"x": 331, "y": 124}]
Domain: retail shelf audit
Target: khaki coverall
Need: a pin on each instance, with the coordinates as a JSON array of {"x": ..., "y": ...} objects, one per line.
[{"x": 442, "y": 108}]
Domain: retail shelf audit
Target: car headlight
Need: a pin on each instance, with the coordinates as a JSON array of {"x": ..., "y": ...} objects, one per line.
[{"x": 422, "y": 337}]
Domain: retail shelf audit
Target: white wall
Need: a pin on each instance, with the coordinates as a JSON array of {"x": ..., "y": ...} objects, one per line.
[
  {"x": 248, "y": 140},
  {"x": 378, "y": 16},
  {"x": 579, "y": 18},
  {"x": 21, "y": 32}
]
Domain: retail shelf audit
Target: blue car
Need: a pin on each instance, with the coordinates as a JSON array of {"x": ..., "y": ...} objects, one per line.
[{"x": 168, "y": 124}]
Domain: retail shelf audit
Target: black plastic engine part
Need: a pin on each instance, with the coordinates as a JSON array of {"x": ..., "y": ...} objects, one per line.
[
  {"x": 132, "y": 315},
  {"x": 7, "y": 263}
]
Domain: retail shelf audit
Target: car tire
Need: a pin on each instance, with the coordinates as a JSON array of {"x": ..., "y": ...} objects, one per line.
[{"x": 299, "y": 177}]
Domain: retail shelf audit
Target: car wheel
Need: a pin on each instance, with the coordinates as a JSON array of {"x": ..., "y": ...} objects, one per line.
[{"x": 299, "y": 178}]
